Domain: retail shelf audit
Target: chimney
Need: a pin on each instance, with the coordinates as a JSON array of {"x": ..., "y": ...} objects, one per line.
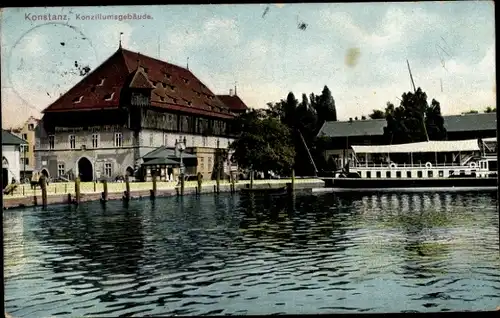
[{"x": 231, "y": 92}]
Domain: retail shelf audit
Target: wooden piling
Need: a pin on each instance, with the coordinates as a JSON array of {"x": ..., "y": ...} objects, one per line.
[
  {"x": 77, "y": 190},
  {"x": 153, "y": 191},
  {"x": 200, "y": 181},
  {"x": 95, "y": 186},
  {"x": 105, "y": 190},
  {"x": 293, "y": 180},
  {"x": 43, "y": 187},
  {"x": 127, "y": 188},
  {"x": 217, "y": 181},
  {"x": 233, "y": 187},
  {"x": 251, "y": 179},
  {"x": 182, "y": 184},
  {"x": 35, "y": 199}
]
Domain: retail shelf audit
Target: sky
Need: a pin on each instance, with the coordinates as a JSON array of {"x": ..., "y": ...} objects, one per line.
[{"x": 260, "y": 48}]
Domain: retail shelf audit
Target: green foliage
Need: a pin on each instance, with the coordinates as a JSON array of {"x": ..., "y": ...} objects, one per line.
[
  {"x": 264, "y": 144},
  {"x": 472, "y": 111},
  {"x": 325, "y": 106},
  {"x": 377, "y": 114},
  {"x": 489, "y": 109},
  {"x": 414, "y": 119}
]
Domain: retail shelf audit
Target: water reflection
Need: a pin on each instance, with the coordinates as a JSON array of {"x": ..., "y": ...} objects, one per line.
[{"x": 223, "y": 254}]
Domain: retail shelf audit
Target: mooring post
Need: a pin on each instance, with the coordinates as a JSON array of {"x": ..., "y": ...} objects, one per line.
[
  {"x": 182, "y": 184},
  {"x": 95, "y": 186},
  {"x": 153, "y": 191},
  {"x": 77, "y": 190},
  {"x": 217, "y": 181},
  {"x": 233, "y": 181},
  {"x": 127, "y": 186},
  {"x": 43, "y": 186},
  {"x": 200, "y": 181},
  {"x": 251, "y": 179},
  {"x": 35, "y": 200},
  {"x": 105, "y": 190},
  {"x": 293, "y": 179}
]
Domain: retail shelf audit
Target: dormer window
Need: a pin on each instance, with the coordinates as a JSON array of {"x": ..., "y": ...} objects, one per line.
[
  {"x": 174, "y": 100},
  {"x": 102, "y": 82},
  {"x": 189, "y": 103},
  {"x": 109, "y": 97},
  {"x": 77, "y": 100},
  {"x": 162, "y": 98},
  {"x": 186, "y": 80}
]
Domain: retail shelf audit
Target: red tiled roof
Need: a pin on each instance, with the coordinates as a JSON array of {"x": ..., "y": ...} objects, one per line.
[
  {"x": 172, "y": 87},
  {"x": 233, "y": 102}
]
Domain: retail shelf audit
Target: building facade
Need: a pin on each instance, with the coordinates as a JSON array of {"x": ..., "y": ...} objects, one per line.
[
  {"x": 27, "y": 152},
  {"x": 128, "y": 106},
  {"x": 341, "y": 135},
  {"x": 11, "y": 158}
]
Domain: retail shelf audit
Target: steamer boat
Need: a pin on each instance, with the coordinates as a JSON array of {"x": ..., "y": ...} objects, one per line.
[{"x": 430, "y": 165}]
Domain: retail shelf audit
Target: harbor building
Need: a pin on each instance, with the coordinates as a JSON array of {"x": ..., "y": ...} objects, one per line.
[
  {"x": 11, "y": 157},
  {"x": 27, "y": 153},
  {"x": 341, "y": 135},
  {"x": 128, "y": 107}
]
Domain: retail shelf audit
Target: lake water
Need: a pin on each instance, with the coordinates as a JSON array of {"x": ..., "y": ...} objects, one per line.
[{"x": 235, "y": 254}]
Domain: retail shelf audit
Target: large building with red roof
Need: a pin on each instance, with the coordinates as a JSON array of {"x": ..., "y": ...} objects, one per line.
[{"x": 127, "y": 107}]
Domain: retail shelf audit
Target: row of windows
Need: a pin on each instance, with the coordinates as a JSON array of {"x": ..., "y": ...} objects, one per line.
[
  {"x": 420, "y": 174},
  {"x": 108, "y": 169},
  {"x": 117, "y": 141}
]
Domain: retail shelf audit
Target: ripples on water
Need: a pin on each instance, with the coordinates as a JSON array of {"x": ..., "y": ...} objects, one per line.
[{"x": 255, "y": 255}]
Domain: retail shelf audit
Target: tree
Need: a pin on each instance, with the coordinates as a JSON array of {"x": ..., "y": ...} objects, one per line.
[
  {"x": 264, "y": 145},
  {"x": 434, "y": 122},
  {"x": 414, "y": 120},
  {"x": 489, "y": 109},
  {"x": 363, "y": 117},
  {"x": 377, "y": 114},
  {"x": 289, "y": 110},
  {"x": 325, "y": 106},
  {"x": 472, "y": 111}
]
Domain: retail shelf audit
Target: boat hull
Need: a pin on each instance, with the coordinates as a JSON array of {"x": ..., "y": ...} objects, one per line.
[{"x": 443, "y": 184}]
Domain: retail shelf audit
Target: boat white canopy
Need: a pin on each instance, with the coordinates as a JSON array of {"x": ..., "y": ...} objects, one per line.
[
  {"x": 425, "y": 146},
  {"x": 492, "y": 139}
]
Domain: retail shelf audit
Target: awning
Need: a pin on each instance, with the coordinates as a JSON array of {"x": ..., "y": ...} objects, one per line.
[
  {"x": 492, "y": 139},
  {"x": 426, "y": 146},
  {"x": 161, "y": 161}
]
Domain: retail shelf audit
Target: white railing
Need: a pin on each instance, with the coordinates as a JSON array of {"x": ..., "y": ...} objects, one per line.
[{"x": 404, "y": 165}]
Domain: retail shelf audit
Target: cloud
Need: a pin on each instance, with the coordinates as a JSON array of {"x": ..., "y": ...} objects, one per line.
[
  {"x": 14, "y": 110},
  {"x": 270, "y": 57},
  {"x": 109, "y": 36}
]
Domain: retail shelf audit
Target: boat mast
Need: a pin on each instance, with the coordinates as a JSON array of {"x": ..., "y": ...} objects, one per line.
[
  {"x": 415, "y": 90},
  {"x": 309, "y": 153}
]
